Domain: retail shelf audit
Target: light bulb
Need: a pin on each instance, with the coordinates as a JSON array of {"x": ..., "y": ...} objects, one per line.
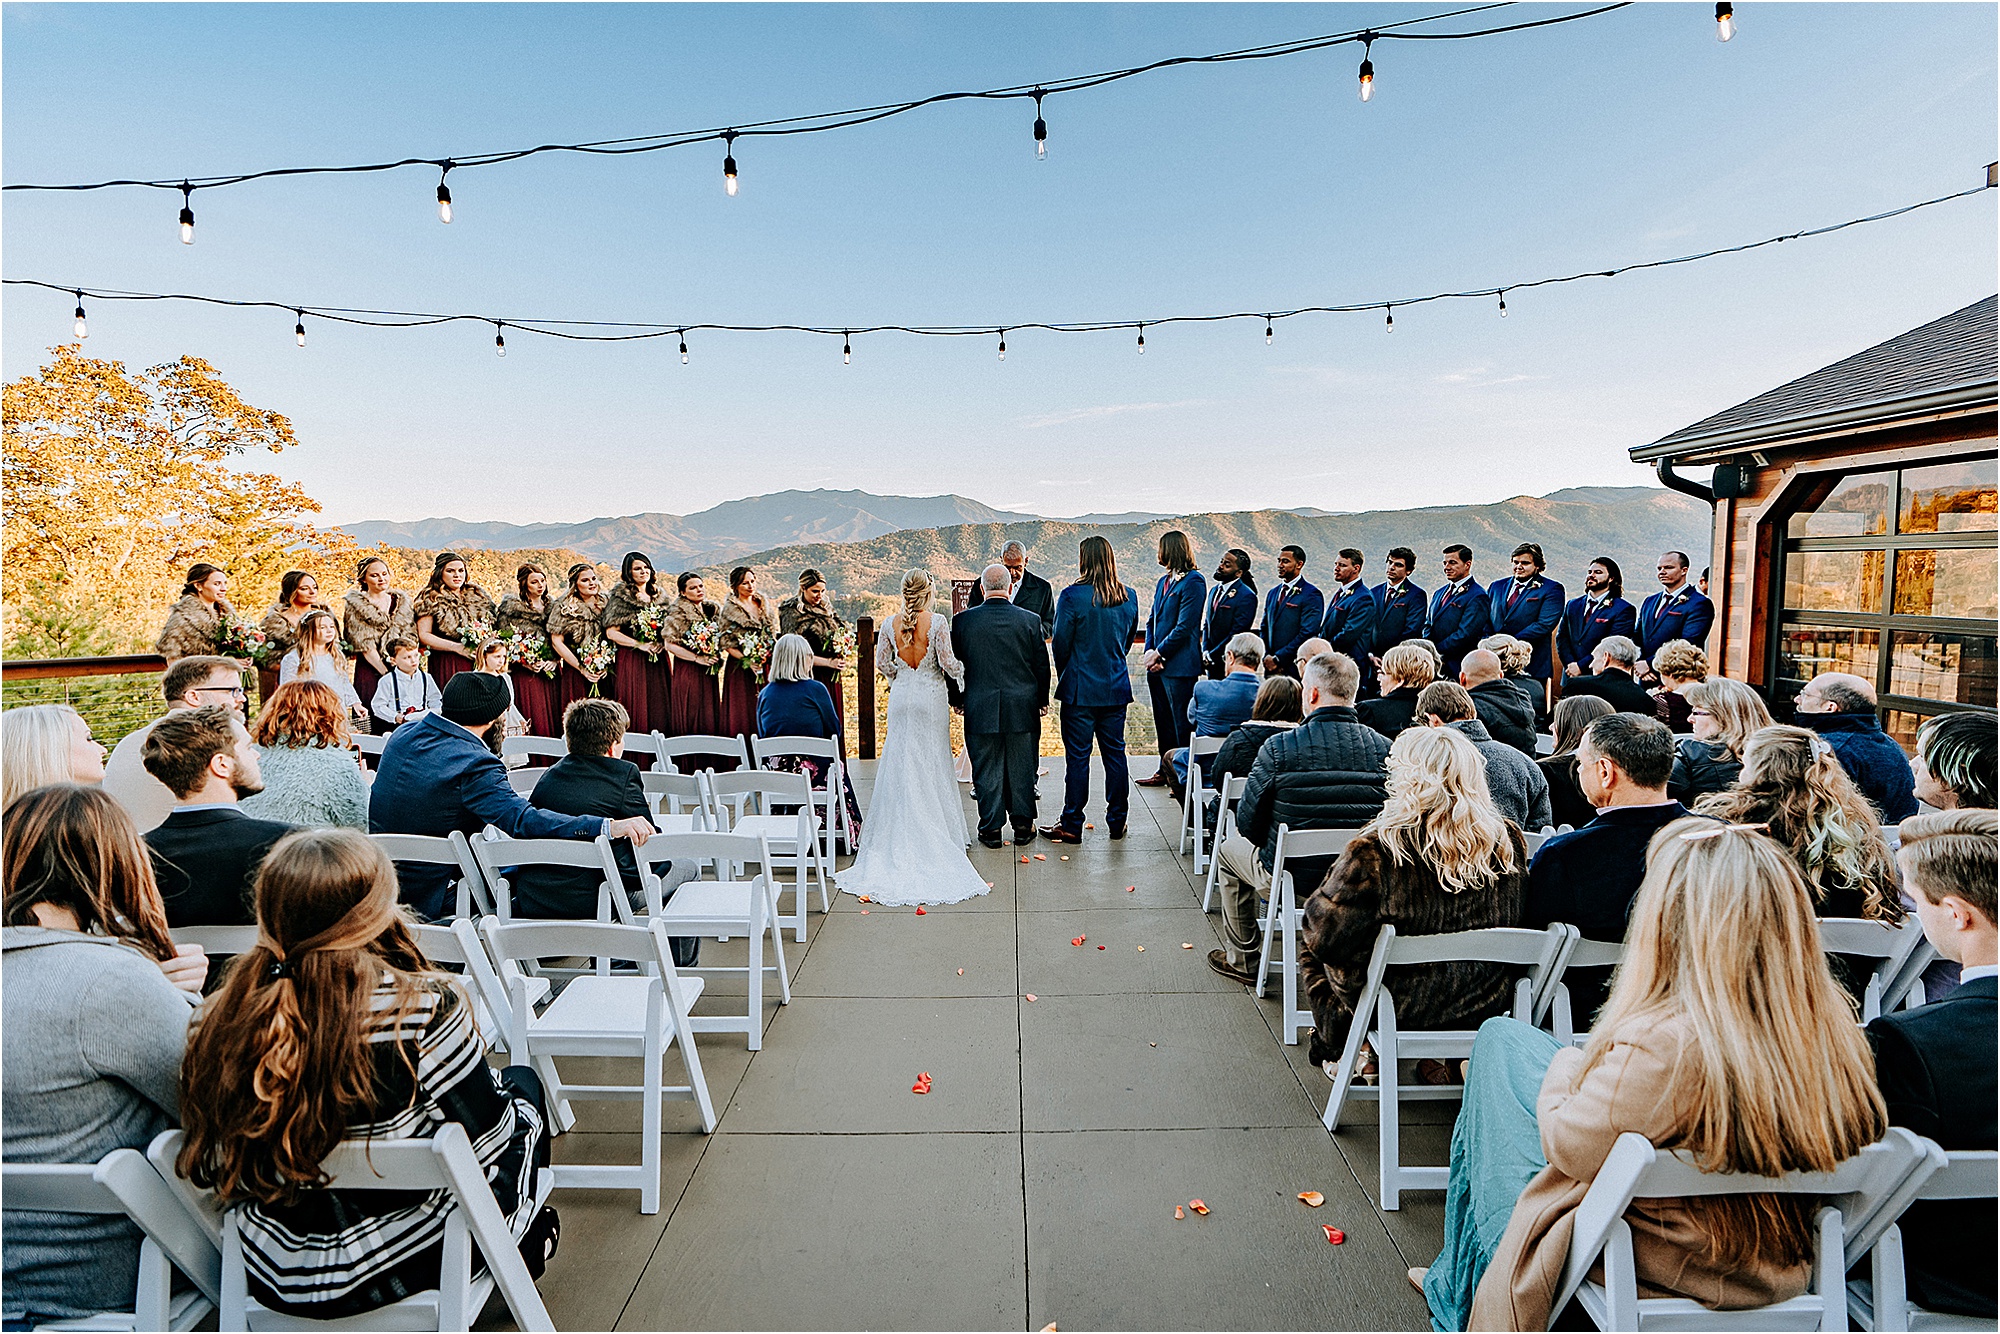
[
  {"x": 1367, "y": 80},
  {"x": 499, "y": 342},
  {"x": 1503, "y": 305},
  {"x": 1041, "y": 132},
  {"x": 1725, "y": 21},
  {"x": 1267, "y": 331},
  {"x": 444, "y": 194},
  {"x": 299, "y": 329},
  {"x": 684, "y": 347},
  {"x": 187, "y": 216},
  {"x": 1003, "y": 345},
  {"x": 1142, "y": 340},
  {"x": 1390, "y": 323},
  {"x": 82, "y": 329},
  {"x": 729, "y": 164},
  {"x": 846, "y": 351}
]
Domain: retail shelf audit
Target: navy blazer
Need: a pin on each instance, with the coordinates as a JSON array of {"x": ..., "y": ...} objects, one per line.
[
  {"x": 1235, "y": 611},
  {"x": 1530, "y": 615},
  {"x": 1578, "y": 636},
  {"x": 1173, "y": 625},
  {"x": 1399, "y": 614},
  {"x": 1457, "y": 628},
  {"x": 1349, "y": 625},
  {"x": 1292, "y": 619},
  {"x": 436, "y": 777},
  {"x": 1689, "y": 617},
  {"x": 1090, "y": 646}
]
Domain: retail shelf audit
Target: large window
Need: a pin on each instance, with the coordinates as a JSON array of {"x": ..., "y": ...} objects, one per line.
[{"x": 1894, "y": 575}]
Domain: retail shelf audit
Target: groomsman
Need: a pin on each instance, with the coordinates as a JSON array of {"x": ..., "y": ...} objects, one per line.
[
  {"x": 1529, "y": 607},
  {"x": 1173, "y": 650},
  {"x": 1292, "y": 612},
  {"x": 1399, "y": 606},
  {"x": 1458, "y": 618},
  {"x": 1349, "y": 623},
  {"x": 1027, "y": 590},
  {"x": 1231, "y": 609},
  {"x": 1677, "y": 611},
  {"x": 1601, "y": 612}
]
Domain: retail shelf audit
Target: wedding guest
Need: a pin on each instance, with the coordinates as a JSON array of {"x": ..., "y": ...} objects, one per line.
[
  {"x": 316, "y": 656},
  {"x": 796, "y": 703},
  {"x": 1230, "y": 609},
  {"x": 46, "y": 743},
  {"x": 1515, "y": 657},
  {"x": 1953, "y": 768},
  {"x": 406, "y": 690},
  {"x": 1612, "y": 677},
  {"x": 1504, "y": 709},
  {"x": 745, "y": 612},
  {"x": 1678, "y": 665},
  {"x": 206, "y": 852},
  {"x": 811, "y": 616},
  {"x": 697, "y": 702},
  {"x": 447, "y": 608},
  {"x": 371, "y": 613},
  {"x": 1406, "y": 669},
  {"x": 1348, "y": 625},
  {"x": 491, "y": 658},
  {"x": 1459, "y": 617},
  {"x": 1677, "y": 611},
  {"x": 310, "y": 776},
  {"x": 335, "y": 1027},
  {"x": 1840, "y": 707},
  {"x": 189, "y": 683},
  {"x": 576, "y": 625},
  {"x": 1439, "y": 858},
  {"x": 1726, "y": 1037},
  {"x": 96, "y": 1026},
  {"x": 1529, "y": 607},
  {"x": 1513, "y": 781},
  {"x": 1026, "y": 589},
  {"x": 1724, "y": 714},
  {"x": 1602, "y": 611},
  {"x": 1293, "y": 610},
  {"x": 1218, "y": 706},
  {"x": 298, "y": 594},
  {"x": 526, "y": 612},
  {"x": 1568, "y": 807},
  {"x": 1172, "y": 657},
  {"x": 1095, "y": 618},
  {"x": 640, "y": 674},
  {"x": 1400, "y": 606},
  {"x": 1277, "y": 709},
  {"x": 195, "y": 625}
]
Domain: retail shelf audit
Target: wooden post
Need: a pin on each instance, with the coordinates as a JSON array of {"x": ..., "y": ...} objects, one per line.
[{"x": 864, "y": 683}]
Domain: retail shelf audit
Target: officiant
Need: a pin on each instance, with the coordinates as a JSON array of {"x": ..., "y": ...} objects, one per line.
[{"x": 1026, "y": 589}]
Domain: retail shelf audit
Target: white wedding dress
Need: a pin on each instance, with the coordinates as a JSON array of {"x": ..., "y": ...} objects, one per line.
[{"x": 914, "y": 838}]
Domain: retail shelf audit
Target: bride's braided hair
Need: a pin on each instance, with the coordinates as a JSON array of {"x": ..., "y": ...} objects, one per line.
[{"x": 916, "y": 599}]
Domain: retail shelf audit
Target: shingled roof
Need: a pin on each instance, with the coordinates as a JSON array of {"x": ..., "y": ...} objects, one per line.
[{"x": 1950, "y": 362}]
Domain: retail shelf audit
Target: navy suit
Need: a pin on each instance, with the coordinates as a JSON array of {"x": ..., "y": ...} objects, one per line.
[
  {"x": 1399, "y": 614},
  {"x": 1529, "y": 614},
  {"x": 1349, "y": 624},
  {"x": 1582, "y": 631},
  {"x": 1290, "y": 619},
  {"x": 1685, "y": 614},
  {"x": 1233, "y": 610},
  {"x": 1094, "y": 686},
  {"x": 1457, "y": 624},
  {"x": 1173, "y": 630}
]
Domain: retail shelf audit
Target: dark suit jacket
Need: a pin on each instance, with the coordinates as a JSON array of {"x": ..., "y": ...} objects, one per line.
[
  {"x": 1531, "y": 615},
  {"x": 1617, "y": 688},
  {"x": 1936, "y": 1067},
  {"x": 207, "y": 864},
  {"x": 1291, "y": 619},
  {"x": 1006, "y": 667},
  {"x": 1588, "y": 878},
  {"x": 1235, "y": 611},
  {"x": 580, "y": 785},
  {"x": 1349, "y": 625},
  {"x": 1689, "y": 617},
  {"x": 1031, "y": 594},
  {"x": 1578, "y": 636},
  {"x": 1090, "y": 646},
  {"x": 1457, "y": 627},
  {"x": 1399, "y": 614},
  {"x": 1173, "y": 623}
]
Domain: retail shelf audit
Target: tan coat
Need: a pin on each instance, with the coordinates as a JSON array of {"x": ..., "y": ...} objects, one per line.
[
  {"x": 1581, "y": 1117},
  {"x": 365, "y": 626},
  {"x": 192, "y": 628},
  {"x": 578, "y": 620},
  {"x": 449, "y": 612},
  {"x": 739, "y": 616},
  {"x": 516, "y": 614}
]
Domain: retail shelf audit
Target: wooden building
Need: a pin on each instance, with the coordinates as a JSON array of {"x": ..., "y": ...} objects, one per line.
[{"x": 1855, "y": 523}]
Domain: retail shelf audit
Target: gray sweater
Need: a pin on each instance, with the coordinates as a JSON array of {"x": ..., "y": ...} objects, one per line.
[
  {"x": 1519, "y": 787},
  {"x": 91, "y": 1063},
  {"x": 310, "y": 786}
]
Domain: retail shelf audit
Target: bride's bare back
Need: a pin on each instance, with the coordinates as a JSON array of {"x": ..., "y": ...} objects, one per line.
[{"x": 913, "y": 653}]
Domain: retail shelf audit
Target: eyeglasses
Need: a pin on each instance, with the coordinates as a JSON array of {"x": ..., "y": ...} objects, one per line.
[{"x": 234, "y": 692}]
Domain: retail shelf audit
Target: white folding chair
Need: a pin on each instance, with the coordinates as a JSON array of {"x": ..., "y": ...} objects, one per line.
[
  {"x": 217, "y": 940},
  {"x": 1199, "y": 794},
  {"x": 742, "y": 802},
  {"x": 523, "y": 780},
  {"x": 457, "y": 945},
  {"x": 1228, "y": 791},
  {"x": 1552, "y": 1001},
  {"x": 832, "y": 798},
  {"x": 497, "y": 854},
  {"x": 675, "y": 748},
  {"x": 724, "y": 908},
  {"x": 626, "y": 1014},
  {"x": 123, "y": 1182},
  {"x": 1905, "y": 991},
  {"x": 1882, "y": 1300},
  {"x": 1545, "y": 744},
  {"x": 370, "y": 744},
  {"x": 1536, "y": 839},
  {"x": 454, "y": 850},
  {"x": 1282, "y": 920},
  {"x": 1534, "y": 951},
  {"x": 1888, "y": 946},
  {"x": 1862, "y": 1197},
  {"x": 551, "y": 747},
  {"x": 645, "y": 749}
]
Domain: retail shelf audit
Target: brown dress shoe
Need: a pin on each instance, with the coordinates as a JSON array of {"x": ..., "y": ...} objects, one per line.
[
  {"x": 1219, "y": 961},
  {"x": 1159, "y": 779}
]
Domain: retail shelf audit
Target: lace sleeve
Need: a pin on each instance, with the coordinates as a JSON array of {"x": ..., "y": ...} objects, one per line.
[
  {"x": 948, "y": 662},
  {"x": 886, "y": 661}
]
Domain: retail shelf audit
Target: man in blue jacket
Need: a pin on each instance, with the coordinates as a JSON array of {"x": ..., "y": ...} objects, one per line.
[
  {"x": 1095, "y": 618},
  {"x": 1173, "y": 650},
  {"x": 1841, "y": 708},
  {"x": 1349, "y": 623},
  {"x": 443, "y": 772},
  {"x": 1529, "y": 606},
  {"x": 1600, "y": 613},
  {"x": 1231, "y": 609},
  {"x": 1218, "y": 706},
  {"x": 1458, "y": 619},
  {"x": 1292, "y": 613},
  {"x": 1400, "y": 606},
  {"x": 1678, "y": 611}
]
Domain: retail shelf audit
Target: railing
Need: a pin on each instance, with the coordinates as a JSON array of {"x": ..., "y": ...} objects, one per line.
[{"x": 52, "y": 669}]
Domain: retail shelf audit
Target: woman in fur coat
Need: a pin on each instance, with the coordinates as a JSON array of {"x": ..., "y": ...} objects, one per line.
[{"x": 449, "y": 603}]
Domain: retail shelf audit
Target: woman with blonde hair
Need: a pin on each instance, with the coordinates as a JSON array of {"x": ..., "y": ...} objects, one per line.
[
  {"x": 575, "y": 626},
  {"x": 47, "y": 743},
  {"x": 1439, "y": 858},
  {"x": 335, "y": 1027},
  {"x": 1406, "y": 669},
  {"x": 795, "y": 702},
  {"x": 302, "y": 735},
  {"x": 1725, "y": 1036},
  {"x": 1723, "y": 714},
  {"x": 1679, "y": 665},
  {"x": 1515, "y": 657}
]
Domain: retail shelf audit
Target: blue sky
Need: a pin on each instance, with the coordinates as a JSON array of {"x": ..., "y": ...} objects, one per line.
[{"x": 1631, "y": 136}]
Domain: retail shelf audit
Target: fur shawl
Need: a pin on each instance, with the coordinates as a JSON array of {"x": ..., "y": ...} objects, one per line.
[
  {"x": 578, "y": 620},
  {"x": 738, "y": 616},
  {"x": 623, "y": 607},
  {"x": 516, "y": 614},
  {"x": 685, "y": 613},
  {"x": 796, "y": 616},
  {"x": 449, "y": 611},
  {"x": 192, "y": 628},
  {"x": 365, "y": 626}
]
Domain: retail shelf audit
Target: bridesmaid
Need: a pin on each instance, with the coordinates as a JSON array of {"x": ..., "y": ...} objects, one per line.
[
  {"x": 371, "y": 614},
  {"x": 638, "y": 665},
  {"x": 576, "y": 624},
  {"x": 447, "y": 603},
  {"x": 745, "y": 609},
  {"x": 810, "y": 615},
  {"x": 696, "y": 709},
  {"x": 528, "y": 613},
  {"x": 298, "y": 593},
  {"x": 195, "y": 624}
]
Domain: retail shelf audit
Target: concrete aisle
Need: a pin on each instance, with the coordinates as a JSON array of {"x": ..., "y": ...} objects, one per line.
[{"x": 1037, "y": 1181}]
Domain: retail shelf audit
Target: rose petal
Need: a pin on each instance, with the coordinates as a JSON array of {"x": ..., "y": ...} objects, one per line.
[
  {"x": 961, "y": 972},
  {"x": 1100, "y": 947},
  {"x": 1078, "y": 940},
  {"x": 864, "y": 899},
  {"x": 1065, "y": 856},
  {"x": 1131, "y": 889},
  {"x": 1024, "y": 861},
  {"x": 1312, "y": 1198},
  {"x": 1334, "y": 1236},
  {"x": 1198, "y": 1206},
  {"x": 1090, "y": 826},
  {"x": 1041, "y": 857},
  {"x": 1142, "y": 949},
  {"x": 864, "y": 912},
  {"x": 1179, "y": 1212},
  {"x": 920, "y": 912},
  {"x": 1032, "y": 996},
  {"x": 1049, "y": 1328},
  {"x": 1187, "y": 944}
]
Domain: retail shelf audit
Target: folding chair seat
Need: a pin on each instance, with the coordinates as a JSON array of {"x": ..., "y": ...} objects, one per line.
[
  {"x": 1881, "y": 1301},
  {"x": 1199, "y": 794},
  {"x": 726, "y": 907},
  {"x": 523, "y": 780},
  {"x": 1228, "y": 791},
  {"x": 454, "y": 851},
  {"x": 1888, "y": 947},
  {"x": 457, "y": 945},
  {"x": 1375, "y": 1022},
  {"x": 1552, "y": 1001},
  {"x": 832, "y": 799},
  {"x": 742, "y": 802},
  {"x": 1283, "y": 918},
  {"x": 730, "y": 749}
]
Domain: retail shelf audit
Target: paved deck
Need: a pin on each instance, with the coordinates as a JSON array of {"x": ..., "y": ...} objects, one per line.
[{"x": 1037, "y": 1181}]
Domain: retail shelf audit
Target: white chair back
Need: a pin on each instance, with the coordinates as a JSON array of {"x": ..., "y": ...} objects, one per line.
[
  {"x": 1198, "y": 793},
  {"x": 832, "y": 798},
  {"x": 645, "y": 749},
  {"x": 553, "y": 747},
  {"x": 453, "y": 850},
  {"x": 1282, "y": 920},
  {"x": 1882, "y": 1300},
  {"x": 217, "y": 940},
  {"x": 1552, "y": 999},
  {"x": 724, "y": 907},
  {"x": 498, "y": 855},
  {"x": 523, "y": 780},
  {"x": 1228, "y": 791},
  {"x": 706, "y": 744},
  {"x": 1888, "y": 946},
  {"x": 673, "y": 793},
  {"x": 369, "y": 744}
]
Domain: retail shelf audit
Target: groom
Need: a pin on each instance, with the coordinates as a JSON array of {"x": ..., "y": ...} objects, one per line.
[{"x": 1006, "y": 694}]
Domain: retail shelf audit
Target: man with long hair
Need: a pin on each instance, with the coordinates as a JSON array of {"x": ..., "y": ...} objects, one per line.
[
  {"x": 1231, "y": 609},
  {"x": 1095, "y": 618},
  {"x": 1173, "y": 651},
  {"x": 1588, "y": 621}
]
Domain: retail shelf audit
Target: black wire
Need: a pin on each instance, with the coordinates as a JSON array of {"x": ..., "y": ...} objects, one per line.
[
  {"x": 640, "y": 330},
  {"x": 820, "y": 122}
]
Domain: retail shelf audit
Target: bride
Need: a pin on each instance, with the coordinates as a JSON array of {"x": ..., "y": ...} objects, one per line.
[{"x": 913, "y": 844}]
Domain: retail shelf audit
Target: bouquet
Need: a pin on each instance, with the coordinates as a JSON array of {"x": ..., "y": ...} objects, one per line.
[
  {"x": 597, "y": 657},
  {"x": 842, "y": 643},
  {"x": 472, "y": 634},
  {"x": 649, "y": 627},
  {"x": 755, "y": 646},
  {"x": 530, "y": 652},
  {"x": 238, "y": 638},
  {"x": 703, "y": 638}
]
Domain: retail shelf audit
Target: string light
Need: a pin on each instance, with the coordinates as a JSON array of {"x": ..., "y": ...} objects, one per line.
[
  {"x": 729, "y": 164},
  {"x": 1367, "y": 67},
  {"x": 299, "y": 329},
  {"x": 1041, "y": 130},
  {"x": 1003, "y": 345},
  {"x": 1725, "y": 21},
  {"x": 444, "y": 193},
  {"x": 82, "y": 329},
  {"x": 187, "y": 214},
  {"x": 846, "y": 350},
  {"x": 1267, "y": 331},
  {"x": 1503, "y": 305},
  {"x": 499, "y": 339},
  {"x": 1389, "y": 324},
  {"x": 1142, "y": 340},
  {"x": 684, "y": 347}
]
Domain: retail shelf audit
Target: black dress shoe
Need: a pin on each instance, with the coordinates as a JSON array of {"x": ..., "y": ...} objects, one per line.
[
  {"x": 1055, "y": 833},
  {"x": 1117, "y": 830},
  {"x": 987, "y": 840},
  {"x": 1024, "y": 833}
]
